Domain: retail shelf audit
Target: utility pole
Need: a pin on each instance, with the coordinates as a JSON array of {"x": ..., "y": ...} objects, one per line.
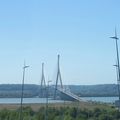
[
  {"x": 118, "y": 63},
  {"x": 22, "y": 92}
]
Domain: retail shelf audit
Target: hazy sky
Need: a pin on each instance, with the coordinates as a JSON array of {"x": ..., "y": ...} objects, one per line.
[{"x": 78, "y": 30}]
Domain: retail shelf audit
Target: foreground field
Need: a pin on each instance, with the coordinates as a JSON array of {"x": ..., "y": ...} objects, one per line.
[
  {"x": 61, "y": 111},
  {"x": 37, "y": 106}
]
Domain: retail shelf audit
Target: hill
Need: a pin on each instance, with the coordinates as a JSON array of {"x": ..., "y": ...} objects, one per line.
[
  {"x": 32, "y": 90},
  {"x": 95, "y": 90}
]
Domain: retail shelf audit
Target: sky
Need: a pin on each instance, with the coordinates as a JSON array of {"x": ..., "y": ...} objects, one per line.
[{"x": 38, "y": 30}]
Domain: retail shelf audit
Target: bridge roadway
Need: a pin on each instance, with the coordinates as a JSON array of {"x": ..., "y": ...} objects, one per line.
[{"x": 67, "y": 95}]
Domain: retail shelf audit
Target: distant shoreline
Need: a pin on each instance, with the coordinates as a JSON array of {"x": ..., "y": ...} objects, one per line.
[{"x": 32, "y": 90}]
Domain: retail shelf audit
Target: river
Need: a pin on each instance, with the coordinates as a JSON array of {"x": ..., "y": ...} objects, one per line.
[
  {"x": 43, "y": 100},
  {"x": 102, "y": 99}
]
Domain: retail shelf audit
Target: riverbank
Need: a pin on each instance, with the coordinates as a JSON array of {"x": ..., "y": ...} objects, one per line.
[{"x": 81, "y": 105}]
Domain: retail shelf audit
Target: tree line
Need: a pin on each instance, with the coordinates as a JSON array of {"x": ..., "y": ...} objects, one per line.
[{"x": 32, "y": 90}]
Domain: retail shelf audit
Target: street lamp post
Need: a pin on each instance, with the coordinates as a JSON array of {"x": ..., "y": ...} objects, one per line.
[
  {"x": 21, "y": 103},
  {"x": 118, "y": 83},
  {"x": 118, "y": 64}
]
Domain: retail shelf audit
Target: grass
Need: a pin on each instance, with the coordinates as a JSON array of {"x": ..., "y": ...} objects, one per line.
[{"x": 81, "y": 105}]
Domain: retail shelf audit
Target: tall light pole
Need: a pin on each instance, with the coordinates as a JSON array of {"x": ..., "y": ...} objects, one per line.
[
  {"x": 117, "y": 73},
  {"x": 47, "y": 94},
  {"x": 118, "y": 63},
  {"x": 21, "y": 103}
]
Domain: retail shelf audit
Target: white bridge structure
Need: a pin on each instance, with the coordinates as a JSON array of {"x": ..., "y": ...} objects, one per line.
[
  {"x": 67, "y": 95},
  {"x": 64, "y": 91}
]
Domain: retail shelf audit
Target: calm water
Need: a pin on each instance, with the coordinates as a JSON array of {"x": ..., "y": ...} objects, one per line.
[
  {"x": 102, "y": 99},
  {"x": 43, "y": 100},
  {"x": 27, "y": 100}
]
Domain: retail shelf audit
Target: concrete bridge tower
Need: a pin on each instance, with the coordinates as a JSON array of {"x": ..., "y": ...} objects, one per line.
[
  {"x": 58, "y": 77},
  {"x": 43, "y": 84}
]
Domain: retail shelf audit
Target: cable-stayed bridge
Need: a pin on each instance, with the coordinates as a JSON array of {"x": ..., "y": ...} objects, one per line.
[{"x": 64, "y": 93}]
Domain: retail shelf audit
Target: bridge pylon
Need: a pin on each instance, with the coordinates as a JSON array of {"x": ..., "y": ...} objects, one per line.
[
  {"x": 42, "y": 93},
  {"x": 58, "y": 77}
]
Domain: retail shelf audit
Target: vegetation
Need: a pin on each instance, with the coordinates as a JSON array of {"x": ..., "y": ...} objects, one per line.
[
  {"x": 95, "y": 90},
  {"x": 14, "y": 90},
  {"x": 31, "y": 90},
  {"x": 61, "y": 113}
]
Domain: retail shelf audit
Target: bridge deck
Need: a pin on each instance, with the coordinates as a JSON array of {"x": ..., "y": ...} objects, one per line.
[{"x": 70, "y": 95}]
